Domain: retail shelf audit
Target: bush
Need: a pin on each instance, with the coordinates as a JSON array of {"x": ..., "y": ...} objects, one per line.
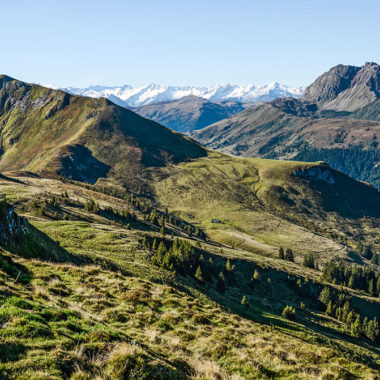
[
  {"x": 289, "y": 255},
  {"x": 289, "y": 313}
]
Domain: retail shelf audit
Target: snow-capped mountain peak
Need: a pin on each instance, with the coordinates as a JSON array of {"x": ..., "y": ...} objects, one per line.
[{"x": 129, "y": 96}]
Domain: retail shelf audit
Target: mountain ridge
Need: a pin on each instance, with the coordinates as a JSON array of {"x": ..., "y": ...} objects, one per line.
[
  {"x": 346, "y": 88},
  {"x": 189, "y": 112},
  {"x": 336, "y": 120},
  {"x": 94, "y": 136},
  {"x": 129, "y": 96}
]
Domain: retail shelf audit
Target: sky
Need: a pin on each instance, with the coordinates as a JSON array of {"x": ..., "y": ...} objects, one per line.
[{"x": 184, "y": 42}]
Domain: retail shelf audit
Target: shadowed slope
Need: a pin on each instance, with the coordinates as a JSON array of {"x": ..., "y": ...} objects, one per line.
[{"x": 47, "y": 131}]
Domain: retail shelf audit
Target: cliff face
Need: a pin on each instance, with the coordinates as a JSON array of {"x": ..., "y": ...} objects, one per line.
[{"x": 12, "y": 226}]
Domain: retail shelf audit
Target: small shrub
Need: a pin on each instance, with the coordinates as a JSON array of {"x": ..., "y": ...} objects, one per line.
[{"x": 289, "y": 313}]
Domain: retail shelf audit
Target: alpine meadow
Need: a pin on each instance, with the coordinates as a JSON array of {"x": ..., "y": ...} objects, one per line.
[{"x": 154, "y": 232}]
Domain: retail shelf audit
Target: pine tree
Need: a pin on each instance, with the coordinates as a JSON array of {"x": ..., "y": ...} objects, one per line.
[
  {"x": 350, "y": 318},
  {"x": 373, "y": 329},
  {"x": 352, "y": 282},
  {"x": 365, "y": 325},
  {"x": 256, "y": 275},
  {"x": 338, "y": 313},
  {"x": 356, "y": 327},
  {"x": 281, "y": 254},
  {"x": 244, "y": 302},
  {"x": 289, "y": 313},
  {"x": 371, "y": 287},
  {"x": 330, "y": 310},
  {"x": 221, "y": 283},
  {"x": 162, "y": 230},
  {"x": 345, "y": 311},
  {"x": 199, "y": 275},
  {"x": 229, "y": 266},
  {"x": 325, "y": 295}
]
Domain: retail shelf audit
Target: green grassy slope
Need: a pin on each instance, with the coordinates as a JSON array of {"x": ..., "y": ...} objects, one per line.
[
  {"x": 130, "y": 278},
  {"x": 124, "y": 317},
  {"x": 262, "y": 204}
]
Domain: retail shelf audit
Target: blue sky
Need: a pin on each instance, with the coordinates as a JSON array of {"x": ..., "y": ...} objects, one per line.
[{"x": 113, "y": 42}]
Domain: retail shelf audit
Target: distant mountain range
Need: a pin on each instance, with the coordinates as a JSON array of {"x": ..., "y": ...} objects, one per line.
[
  {"x": 128, "y": 96},
  {"x": 337, "y": 120},
  {"x": 190, "y": 112}
]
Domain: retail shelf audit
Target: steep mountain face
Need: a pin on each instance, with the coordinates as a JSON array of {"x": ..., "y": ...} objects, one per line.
[
  {"x": 189, "y": 112},
  {"x": 346, "y": 88},
  {"x": 369, "y": 112},
  {"x": 129, "y": 96},
  {"x": 294, "y": 129},
  {"x": 51, "y": 132}
]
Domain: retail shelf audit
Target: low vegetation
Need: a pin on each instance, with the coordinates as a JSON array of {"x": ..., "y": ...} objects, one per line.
[{"x": 117, "y": 302}]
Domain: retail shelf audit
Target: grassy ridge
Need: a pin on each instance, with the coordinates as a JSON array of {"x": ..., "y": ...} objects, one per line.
[
  {"x": 137, "y": 320},
  {"x": 262, "y": 204}
]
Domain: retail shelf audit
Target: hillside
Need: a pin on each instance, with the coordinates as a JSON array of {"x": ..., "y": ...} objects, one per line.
[
  {"x": 147, "y": 256},
  {"x": 189, "y": 112},
  {"x": 110, "y": 309},
  {"x": 51, "y": 132},
  {"x": 300, "y": 130}
]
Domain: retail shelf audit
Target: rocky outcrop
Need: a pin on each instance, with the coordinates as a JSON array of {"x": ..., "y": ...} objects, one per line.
[
  {"x": 318, "y": 173},
  {"x": 12, "y": 226},
  {"x": 345, "y": 88}
]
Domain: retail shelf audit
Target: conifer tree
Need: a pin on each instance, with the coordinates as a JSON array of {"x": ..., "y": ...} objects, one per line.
[
  {"x": 371, "y": 287},
  {"x": 245, "y": 302},
  {"x": 329, "y": 310},
  {"x": 325, "y": 296},
  {"x": 356, "y": 327},
  {"x": 221, "y": 283},
  {"x": 373, "y": 329},
  {"x": 345, "y": 311},
  {"x": 365, "y": 325},
  {"x": 350, "y": 318},
  {"x": 229, "y": 266},
  {"x": 281, "y": 254},
  {"x": 199, "y": 275}
]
